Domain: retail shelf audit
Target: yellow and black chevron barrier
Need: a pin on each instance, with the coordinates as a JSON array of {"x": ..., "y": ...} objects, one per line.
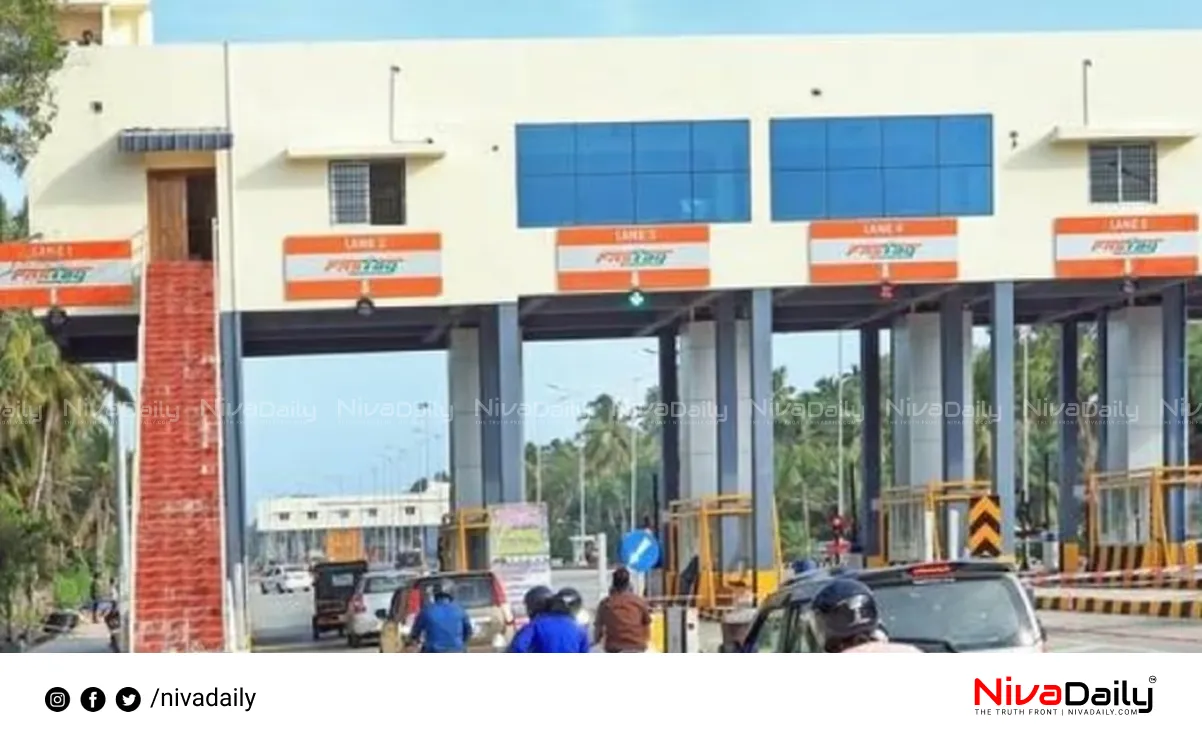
[
  {"x": 1164, "y": 608},
  {"x": 985, "y": 526}
]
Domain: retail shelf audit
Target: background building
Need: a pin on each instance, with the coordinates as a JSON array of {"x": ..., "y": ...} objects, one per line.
[{"x": 298, "y": 528}]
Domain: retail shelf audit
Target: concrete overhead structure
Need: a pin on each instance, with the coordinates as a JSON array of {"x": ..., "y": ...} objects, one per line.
[{"x": 411, "y": 195}]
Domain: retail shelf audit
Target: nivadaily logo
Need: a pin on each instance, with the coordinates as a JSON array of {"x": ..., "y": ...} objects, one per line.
[{"x": 1067, "y": 698}]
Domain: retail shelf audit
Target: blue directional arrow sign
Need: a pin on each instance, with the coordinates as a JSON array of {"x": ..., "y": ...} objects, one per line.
[{"x": 639, "y": 550}]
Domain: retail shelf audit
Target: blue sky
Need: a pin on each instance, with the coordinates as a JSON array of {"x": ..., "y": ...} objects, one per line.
[{"x": 303, "y": 435}]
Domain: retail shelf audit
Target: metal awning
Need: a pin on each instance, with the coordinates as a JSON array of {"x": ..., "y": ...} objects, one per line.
[{"x": 174, "y": 140}]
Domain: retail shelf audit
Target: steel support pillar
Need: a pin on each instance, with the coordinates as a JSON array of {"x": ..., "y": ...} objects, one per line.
[
  {"x": 1069, "y": 506},
  {"x": 1001, "y": 343},
  {"x": 953, "y": 347},
  {"x": 868, "y": 526},
  {"x": 233, "y": 471},
  {"x": 501, "y": 390},
  {"x": 669, "y": 397},
  {"x": 1102, "y": 357},
  {"x": 726, "y": 383},
  {"x": 763, "y": 477},
  {"x": 1176, "y": 403}
]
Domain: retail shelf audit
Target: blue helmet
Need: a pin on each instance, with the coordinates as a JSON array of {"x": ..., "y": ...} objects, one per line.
[{"x": 804, "y": 566}]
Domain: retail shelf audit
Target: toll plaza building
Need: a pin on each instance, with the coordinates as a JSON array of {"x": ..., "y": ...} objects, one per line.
[{"x": 282, "y": 199}]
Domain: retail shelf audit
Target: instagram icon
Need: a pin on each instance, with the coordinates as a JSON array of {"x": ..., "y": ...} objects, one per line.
[{"x": 57, "y": 699}]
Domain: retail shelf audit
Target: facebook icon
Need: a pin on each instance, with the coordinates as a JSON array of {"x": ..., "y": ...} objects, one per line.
[{"x": 92, "y": 699}]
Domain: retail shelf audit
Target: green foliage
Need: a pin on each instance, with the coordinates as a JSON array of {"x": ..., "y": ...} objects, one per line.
[
  {"x": 57, "y": 496},
  {"x": 30, "y": 54}
]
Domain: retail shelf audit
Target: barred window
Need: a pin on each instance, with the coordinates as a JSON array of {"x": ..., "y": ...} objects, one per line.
[
  {"x": 367, "y": 192},
  {"x": 1122, "y": 173}
]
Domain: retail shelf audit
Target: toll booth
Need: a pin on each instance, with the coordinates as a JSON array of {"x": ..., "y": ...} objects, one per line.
[
  {"x": 1126, "y": 523},
  {"x": 929, "y": 522},
  {"x": 703, "y": 539},
  {"x": 463, "y": 540}
]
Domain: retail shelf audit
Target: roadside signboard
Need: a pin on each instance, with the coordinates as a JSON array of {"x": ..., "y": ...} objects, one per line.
[
  {"x": 604, "y": 259},
  {"x": 639, "y": 551},
  {"x": 322, "y": 267},
  {"x": 873, "y": 251},
  {"x": 1123, "y": 246},
  {"x": 519, "y": 549},
  {"x": 96, "y": 273}
]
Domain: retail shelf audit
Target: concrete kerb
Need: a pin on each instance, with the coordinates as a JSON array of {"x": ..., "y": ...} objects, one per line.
[{"x": 1189, "y": 609}]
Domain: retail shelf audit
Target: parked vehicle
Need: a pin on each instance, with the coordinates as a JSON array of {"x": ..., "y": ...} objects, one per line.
[
  {"x": 333, "y": 585},
  {"x": 286, "y": 579}
]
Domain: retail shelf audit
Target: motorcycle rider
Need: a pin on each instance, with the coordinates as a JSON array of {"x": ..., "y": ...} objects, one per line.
[
  {"x": 555, "y": 629},
  {"x": 847, "y": 620},
  {"x": 442, "y": 626},
  {"x": 537, "y": 600}
]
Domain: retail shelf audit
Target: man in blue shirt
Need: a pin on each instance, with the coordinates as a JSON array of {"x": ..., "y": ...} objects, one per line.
[
  {"x": 553, "y": 630},
  {"x": 442, "y": 626}
]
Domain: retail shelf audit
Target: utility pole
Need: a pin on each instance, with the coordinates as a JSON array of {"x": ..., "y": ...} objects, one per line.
[
  {"x": 634, "y": 471},
  {"x": 839, "y": 464},
  {"x": 580, "y": 477},
  {"x": 122, "y": 496}
]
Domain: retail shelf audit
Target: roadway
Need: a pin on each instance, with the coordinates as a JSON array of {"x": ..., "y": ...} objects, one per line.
[{"x": 281, "y": 624}]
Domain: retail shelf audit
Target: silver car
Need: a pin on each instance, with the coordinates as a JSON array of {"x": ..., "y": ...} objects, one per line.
[{"x": 372, "y": 595}]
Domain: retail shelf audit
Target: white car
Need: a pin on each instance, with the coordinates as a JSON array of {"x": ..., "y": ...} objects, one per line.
[
  {"x": 286, "y": 579},
  {"x": 369, "y": 605}
]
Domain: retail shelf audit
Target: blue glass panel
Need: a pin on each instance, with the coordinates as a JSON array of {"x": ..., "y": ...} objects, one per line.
[
  {"x": 797, "y": 144},
  {"x": 604, "y": 199},
  {"x": 853, "y": 143},
  {"x": 909, "y": 141},
  {"x": 854, "y": 194},
  {"x": 721, "y": 146},
  {"x": 798, "y": 195},
  {"x": 966, "y": 140},
  {"x": 546, "y": 201},
  {"x": 545, "y": 149},
  {"x": 662, "y": 147},
  {"x": 966, "y": 191},
  {"x": 721, "y": 197},
  {"x": 604, "y": 148},
  {"x": 912, "y": 192},
  {"x": 663, "y": 198}
]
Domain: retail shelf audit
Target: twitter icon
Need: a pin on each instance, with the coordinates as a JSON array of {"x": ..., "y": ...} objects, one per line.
[{"x": 128, "y": 699}]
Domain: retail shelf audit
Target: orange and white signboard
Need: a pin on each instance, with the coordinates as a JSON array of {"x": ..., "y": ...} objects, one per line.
[
  {"x": 97, "y": 273},
  {"x": 352, "y": 266},
  {"x": 601, "y": 259},
  {"x": 1122, "y": 246},
  {"x": 878, "y": 250}
]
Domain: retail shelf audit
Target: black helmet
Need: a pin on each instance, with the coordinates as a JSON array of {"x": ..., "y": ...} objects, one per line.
[
  {"x": 843, "y": 610},
  {"x": 537, "y": 600},
  {"x": 444, "y": 589},
  {"x": 570, "y": 599}
]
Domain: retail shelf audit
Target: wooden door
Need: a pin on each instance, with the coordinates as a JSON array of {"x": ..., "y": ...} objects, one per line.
[{"x": 167, "y": 226}]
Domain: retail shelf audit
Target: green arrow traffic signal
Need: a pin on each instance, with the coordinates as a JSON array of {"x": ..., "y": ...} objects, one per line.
[{"x": 636, "y": 298}]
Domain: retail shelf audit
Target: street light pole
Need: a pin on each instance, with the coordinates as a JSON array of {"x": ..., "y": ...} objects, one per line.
[
  {"x": 1026, "y": 338},
  {"x": 839, "y": 362},
  {"x": 635, "y": 422},
  {"x": 580, "y": 478}
]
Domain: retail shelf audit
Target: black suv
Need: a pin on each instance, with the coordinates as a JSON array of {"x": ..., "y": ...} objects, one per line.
[{"x": 944, "y": 607}]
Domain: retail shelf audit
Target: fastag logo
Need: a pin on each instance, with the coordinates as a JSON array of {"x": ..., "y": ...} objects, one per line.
[{"x": 1122, "y": 698}]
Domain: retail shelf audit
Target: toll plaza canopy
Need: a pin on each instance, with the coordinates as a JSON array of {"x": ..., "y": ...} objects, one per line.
[{"x": 519, "y": 190}]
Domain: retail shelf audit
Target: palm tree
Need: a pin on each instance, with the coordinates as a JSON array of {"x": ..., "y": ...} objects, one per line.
[{"x": 56, "y": 480}]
